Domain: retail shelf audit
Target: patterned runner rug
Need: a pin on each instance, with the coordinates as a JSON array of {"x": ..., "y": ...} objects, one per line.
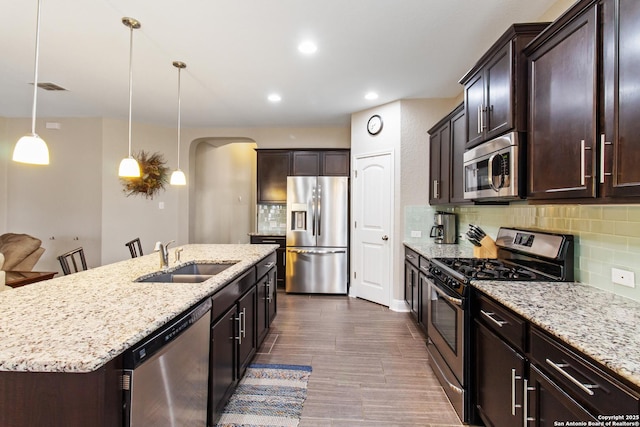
[{"x": 268, "y": 395}]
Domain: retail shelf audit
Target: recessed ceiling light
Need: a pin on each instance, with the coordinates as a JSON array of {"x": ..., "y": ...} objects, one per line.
[
  {"x": 371, "y": 96},
  {"x": 307, "y": 47},
  {"x": 274, "y": 97}
]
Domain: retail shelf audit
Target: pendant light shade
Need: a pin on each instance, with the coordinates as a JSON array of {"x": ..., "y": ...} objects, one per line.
[
  {"x": 177, "y": 177},
  {"x": 129, "y": 167},
  {"x": 31, "y": 148}
]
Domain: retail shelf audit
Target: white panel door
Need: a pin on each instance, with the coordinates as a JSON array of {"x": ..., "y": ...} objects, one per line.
[{"x": 372, "y": 225}]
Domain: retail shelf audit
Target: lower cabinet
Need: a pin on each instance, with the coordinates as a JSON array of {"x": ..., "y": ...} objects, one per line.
[
  {"x": 525, "y": 377},
  {"x": 241, "y": 315},
  {"x": 411, "y": 278},
  {"x": 500, "y": 372}
]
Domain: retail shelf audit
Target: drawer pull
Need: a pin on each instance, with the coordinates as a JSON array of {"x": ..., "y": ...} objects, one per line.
[
  {"x": 453, "y": 387},
  {"x": 410, "y": 256},
  {"x": 489, "y": 315},
  {"x": 584, "y": 387},
  {"x": 269, "y": 265}
]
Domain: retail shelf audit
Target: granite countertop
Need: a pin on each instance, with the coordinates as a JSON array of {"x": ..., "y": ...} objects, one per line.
[
  {"x": 79, "y": 322},
  {"x": 602, "y": 325},
  {"x": 429, "y": 249}
]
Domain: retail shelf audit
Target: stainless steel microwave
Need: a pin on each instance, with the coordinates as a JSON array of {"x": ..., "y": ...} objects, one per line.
[{"x": 491, "y": 170}]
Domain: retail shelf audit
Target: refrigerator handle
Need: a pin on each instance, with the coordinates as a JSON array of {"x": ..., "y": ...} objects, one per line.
[
  {"x": 317, "y": 252},
  {"x": 313, "y": 211},
  {"x": 319, "y": 210}
]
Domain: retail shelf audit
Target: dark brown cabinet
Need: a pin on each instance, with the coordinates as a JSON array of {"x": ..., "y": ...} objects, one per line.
[
  {"x": 584, "y": 137},
  {"x": 495, "y": 89},
  {"x": 411, "y": 280},
  {"x": 500, "y": 364},
  {"x": 446, "y": 148},
  {"x": 619, "y": 173},
  {"x": 273, "y": 167},
  {"x": 500, "y": 372},
  {"x": 320, "y": 163},
  {"x": 280, "y": 253},
  {"x": 525, "y": 377},
  {"x": 272, "y": 170},
  {"x": 266, "y": 307},
  {"x": 222, "y": 366},
  {"x": 562, "y": 151}
]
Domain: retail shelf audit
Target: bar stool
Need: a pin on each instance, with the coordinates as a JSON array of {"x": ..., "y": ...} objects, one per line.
[
  {"x": 135, "y": 248},
  {"x": 76, "y": 258}
]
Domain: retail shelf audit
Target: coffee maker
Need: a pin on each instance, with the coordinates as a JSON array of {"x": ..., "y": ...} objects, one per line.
[{"x": 445, "y": 229}]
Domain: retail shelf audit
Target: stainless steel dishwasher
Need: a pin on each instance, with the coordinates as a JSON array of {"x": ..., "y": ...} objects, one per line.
[{"x": 166, "y": 376}]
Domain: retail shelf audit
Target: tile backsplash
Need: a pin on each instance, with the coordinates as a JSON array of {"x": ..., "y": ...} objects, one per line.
[
  {"x": 606, "y": 236},
  {"x": 272, "y": 219}
]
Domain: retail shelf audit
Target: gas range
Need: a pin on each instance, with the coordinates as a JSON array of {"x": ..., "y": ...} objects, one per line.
[{"x": 522, "y": 255}]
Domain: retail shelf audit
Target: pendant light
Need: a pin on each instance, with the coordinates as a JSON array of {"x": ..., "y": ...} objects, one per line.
[
  {"x": 129, "y": 167},
  {"x": 177, "y": 177},
  {"x": 31, "y": 148}
]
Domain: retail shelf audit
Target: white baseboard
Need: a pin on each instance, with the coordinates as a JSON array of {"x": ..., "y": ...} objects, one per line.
[{"x": 399, "y": 305}]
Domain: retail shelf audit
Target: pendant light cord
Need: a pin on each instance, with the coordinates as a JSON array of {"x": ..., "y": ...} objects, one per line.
[
  {"x": 35, "y": 72},
  {"x": 179, "y": 105},
  {"x": 130, "y": 84}
]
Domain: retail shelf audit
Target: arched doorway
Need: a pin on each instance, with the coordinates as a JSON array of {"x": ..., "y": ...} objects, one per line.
[{"x": 222, "y": 203}]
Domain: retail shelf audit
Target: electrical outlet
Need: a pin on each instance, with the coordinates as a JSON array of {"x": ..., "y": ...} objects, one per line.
[
  {"x": 416, "y": 233},
  {"x": 623, "y": 277}
]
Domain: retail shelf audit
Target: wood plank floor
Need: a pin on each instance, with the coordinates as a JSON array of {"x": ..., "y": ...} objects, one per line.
[{"x": 370, "y": 364}]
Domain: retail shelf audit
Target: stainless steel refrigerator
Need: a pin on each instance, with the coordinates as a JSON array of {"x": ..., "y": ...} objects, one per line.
[{"x": 317, "y": 234}]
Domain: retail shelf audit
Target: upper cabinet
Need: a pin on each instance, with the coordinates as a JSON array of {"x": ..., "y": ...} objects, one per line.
[
  {"x": 619, "y": 174},
  {"x": 320, "y": 163},
  {"x": 273, "y": 167},
  {"x": 584, "y": 135},
  {"x": 446, "y": 148},
  {"x": 495, "y": 89}
]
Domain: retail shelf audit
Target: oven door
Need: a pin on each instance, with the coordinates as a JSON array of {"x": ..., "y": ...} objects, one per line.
[
  {"x": 491, "y": 170},
  {"x": 446, "y": 327}
]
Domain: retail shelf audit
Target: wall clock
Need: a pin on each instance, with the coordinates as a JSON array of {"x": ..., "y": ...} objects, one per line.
[{"x": 374, "y": 125}]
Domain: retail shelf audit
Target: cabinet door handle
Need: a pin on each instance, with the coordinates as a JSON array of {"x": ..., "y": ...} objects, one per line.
[
  {"x": 525, "y": 403},
  {"x": 436, "y": 194},
  {"x": 268, "y": 289},
  {"x": 514, "y": 377},
  {"x": 583, "y": 158},
  {"x": 489, "y": 315},
  {"x": 479, "y": 119},
  {"x": 244, "y": 322},
  {"x": 239, "y": 319},
  {"x": 559, "y": 367},
  {"x": 603, "y": 143}
]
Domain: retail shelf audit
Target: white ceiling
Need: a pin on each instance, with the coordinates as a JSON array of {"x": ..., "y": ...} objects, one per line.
[{"x": 239, "y": 51}]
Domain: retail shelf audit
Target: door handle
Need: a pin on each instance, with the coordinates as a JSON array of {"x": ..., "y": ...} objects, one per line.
[
  {"x": 385, "y": 237},
  {"x": 603, "y": 143}
]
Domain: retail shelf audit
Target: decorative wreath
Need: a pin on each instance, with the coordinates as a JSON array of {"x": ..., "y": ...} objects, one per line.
[{"x": 154, "y": 176}]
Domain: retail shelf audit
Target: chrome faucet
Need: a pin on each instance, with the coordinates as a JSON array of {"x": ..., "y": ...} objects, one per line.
[{"x": 163, "y": 250}]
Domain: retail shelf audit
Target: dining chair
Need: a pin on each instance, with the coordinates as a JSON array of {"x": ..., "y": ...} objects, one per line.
[
  {"x": 73, "y": 258},
  {"x": 135, "y": 248}
]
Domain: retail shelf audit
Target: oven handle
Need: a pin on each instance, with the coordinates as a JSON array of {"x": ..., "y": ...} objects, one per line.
[
  {"x": 451, "y": 386},
  {"x": 456, "y": 301}
]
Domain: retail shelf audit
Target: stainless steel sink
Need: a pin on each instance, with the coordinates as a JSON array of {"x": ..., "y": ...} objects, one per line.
[{"x": 191, "y": 273}]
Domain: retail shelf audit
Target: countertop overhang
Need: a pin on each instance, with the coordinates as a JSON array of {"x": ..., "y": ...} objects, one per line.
[{"x": 78, "y": 323}]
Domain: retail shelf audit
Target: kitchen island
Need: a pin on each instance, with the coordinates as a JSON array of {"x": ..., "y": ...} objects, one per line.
[{"x": 64, "y": 336}]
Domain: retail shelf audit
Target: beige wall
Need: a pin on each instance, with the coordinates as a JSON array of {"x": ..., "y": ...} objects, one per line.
[
  {"x": 224, "y": 193},
  {"x": 60, "y": 203},
  {"x": 5, "y": 153}
]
